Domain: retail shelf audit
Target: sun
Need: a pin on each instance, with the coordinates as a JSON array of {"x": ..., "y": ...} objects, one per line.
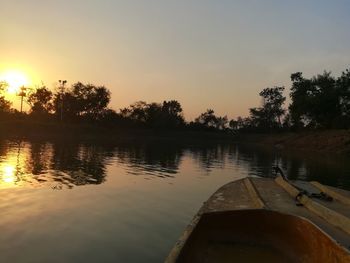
[{"x": 15, "y": 80}]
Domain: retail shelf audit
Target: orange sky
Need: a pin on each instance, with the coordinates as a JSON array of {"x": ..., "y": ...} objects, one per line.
[{"x": 206, "y": 54}]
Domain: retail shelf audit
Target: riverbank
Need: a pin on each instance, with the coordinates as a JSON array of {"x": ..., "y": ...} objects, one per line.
[
  {"x": 88, "y": 132},
  {"x": 329, "y": 141}
]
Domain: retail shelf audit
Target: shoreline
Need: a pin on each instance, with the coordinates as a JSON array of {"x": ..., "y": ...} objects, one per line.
[
  {"x": 326, "y": 141},
  {"x": 323, "y": 141},
  {"x": 89, "y": 132}
]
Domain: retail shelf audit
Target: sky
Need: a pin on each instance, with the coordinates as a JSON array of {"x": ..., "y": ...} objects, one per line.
[{"x": 205, "y": 54}]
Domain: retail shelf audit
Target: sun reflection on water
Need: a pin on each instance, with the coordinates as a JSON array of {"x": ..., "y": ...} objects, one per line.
[
  {"x": 11, "y": 166},
  {"x": 8, "y": 174},
  {"x": 44, "y": 164}
]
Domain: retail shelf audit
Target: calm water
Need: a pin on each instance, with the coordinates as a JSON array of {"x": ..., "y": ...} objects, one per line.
[{"x": 64, "y": 202}]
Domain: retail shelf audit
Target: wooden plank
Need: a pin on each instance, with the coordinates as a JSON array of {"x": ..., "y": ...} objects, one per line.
[
  {"x": 258, "y": 203},
  {"x": 327, "y": 214},
  {"x": 286, "y": 186},
  {"x": 277, "y": 199},
  {"x": 337, "y": 196}
]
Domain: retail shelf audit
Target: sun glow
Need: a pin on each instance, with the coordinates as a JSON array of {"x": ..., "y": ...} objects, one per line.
[
  {"x": 8, "y": 174},
  {"x": 15, "y": 80}
]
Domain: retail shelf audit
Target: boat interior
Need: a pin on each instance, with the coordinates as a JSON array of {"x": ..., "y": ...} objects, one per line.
[{"x": 259, "y": 235}]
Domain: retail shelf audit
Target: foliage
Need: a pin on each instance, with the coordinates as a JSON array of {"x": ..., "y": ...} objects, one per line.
[
  {"x": 5, "y": 105},
  {"x": 343, "y": 88},
  {"x": 268, "y": 116},
  {"x": 40, "y": 101},
  {"x": 209, "y": 120},
  {"x": 81, "y": 102},
  {"x": 154, "y": 115},
  {"x": 316, "y": 102},
  {"x": 322, "y": 101}
]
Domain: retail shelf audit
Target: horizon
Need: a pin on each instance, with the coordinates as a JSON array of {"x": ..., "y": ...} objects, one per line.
[{"x": 205, "y": 55}]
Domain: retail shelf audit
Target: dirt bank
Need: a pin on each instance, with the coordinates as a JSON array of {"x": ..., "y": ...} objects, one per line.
[{"x": 331, "y": 141}]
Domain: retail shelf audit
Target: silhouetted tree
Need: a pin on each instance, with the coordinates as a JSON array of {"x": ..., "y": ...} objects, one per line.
[
  {"x": 209, "y": 120},
  {"x": 91, "y": 100},
  {"x": 326, "y": 104},
  {"x": 233, "y": 124},
  {"x": 299, "y": 108},
  {"x": 5, "y": 105},
  {"x": 65, "y": 106},
  {"x": 109, "y": 116},
  {"x": 322, "y": 101},
  {"x": 172, "y": 114},
  {"x": 82, "y": 101},
  {"x": 343, "y": 87},
  {"x": 269, "y": 115},
  {"x": 315, "y": 101},
  {"x": 136, "y": 112},
  {"x": 154, "y": 115},
  {"x": 240, "y": 123},
  {"x": 40, "y": 101},
  {"x": 221, "y": 122}
]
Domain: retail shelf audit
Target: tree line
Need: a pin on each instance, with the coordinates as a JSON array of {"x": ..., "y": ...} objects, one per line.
[
  {"x": 322, "y": 101},
  {"x": 319, "y": 102},
  {"x": 88, "y": 103}
]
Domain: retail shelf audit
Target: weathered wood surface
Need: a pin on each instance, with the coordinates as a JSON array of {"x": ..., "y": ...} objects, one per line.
[{"x": 278, "y": 195}]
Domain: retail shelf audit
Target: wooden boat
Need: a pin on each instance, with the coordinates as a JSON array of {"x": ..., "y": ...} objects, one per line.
[{"x": 268, "y": 220}]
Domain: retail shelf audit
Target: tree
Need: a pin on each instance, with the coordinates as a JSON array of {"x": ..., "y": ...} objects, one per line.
[
  {"x": 343, "y": 87},
  {"x": 172, "y": 114},
  {"x": 300, "y": 96},
  {"x": 315, "y": 102},
  {"x": 221, "y": 122},
  {"x": 326, "y": 106},
  {"x": 209, "y": 120},
  {"x": 269, "y": 115},
  {"x": 65, "y": 106},
  {"x": 155, "y": 115},
  {"x": 233, "y": 124},
  {"x": 40, "y": 101},
  {"x": 136, "y": 112},
  {"x": 5, "y": 105},
  {"x": 91, "y": 100},
  {"x": 82, "y": 101}
]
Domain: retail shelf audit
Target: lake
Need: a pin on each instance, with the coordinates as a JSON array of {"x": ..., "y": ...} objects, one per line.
[{"x": 63, "y": 201}]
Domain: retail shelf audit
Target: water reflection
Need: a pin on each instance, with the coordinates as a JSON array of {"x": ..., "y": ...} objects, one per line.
[
  {"x": 61, "y": 165},
  {"x": 54, "y": 164},
  {"x": 150, "y": 159},
  {"x": 212, "y": 156},
  {"x": 78, "y": 164},
  {"x": 310, "y": 166},
  {"x": 11, "y": 166}
]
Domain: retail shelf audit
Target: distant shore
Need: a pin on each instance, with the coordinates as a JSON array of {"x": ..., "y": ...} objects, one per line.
[
  {"x": 83, "y": 132},
  {"x": 327, "y": 141}
]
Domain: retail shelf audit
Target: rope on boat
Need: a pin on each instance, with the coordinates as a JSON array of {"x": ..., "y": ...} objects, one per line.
[
  {"x": 302, "y": 192},
  {"x": 335, "y": 218}
]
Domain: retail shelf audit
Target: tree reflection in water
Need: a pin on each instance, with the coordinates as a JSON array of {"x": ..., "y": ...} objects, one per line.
[
  {"x": 59, "y": 164},
  {"x": 151, "y": 159}
]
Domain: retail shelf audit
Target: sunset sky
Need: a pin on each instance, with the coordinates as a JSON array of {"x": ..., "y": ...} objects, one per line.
[{"x": 206, "y": 54}]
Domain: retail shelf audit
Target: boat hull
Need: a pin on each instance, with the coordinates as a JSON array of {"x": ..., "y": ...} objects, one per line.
[
  {"x": 259, "y": 236},
  {"x": 267, "y": 220}
]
